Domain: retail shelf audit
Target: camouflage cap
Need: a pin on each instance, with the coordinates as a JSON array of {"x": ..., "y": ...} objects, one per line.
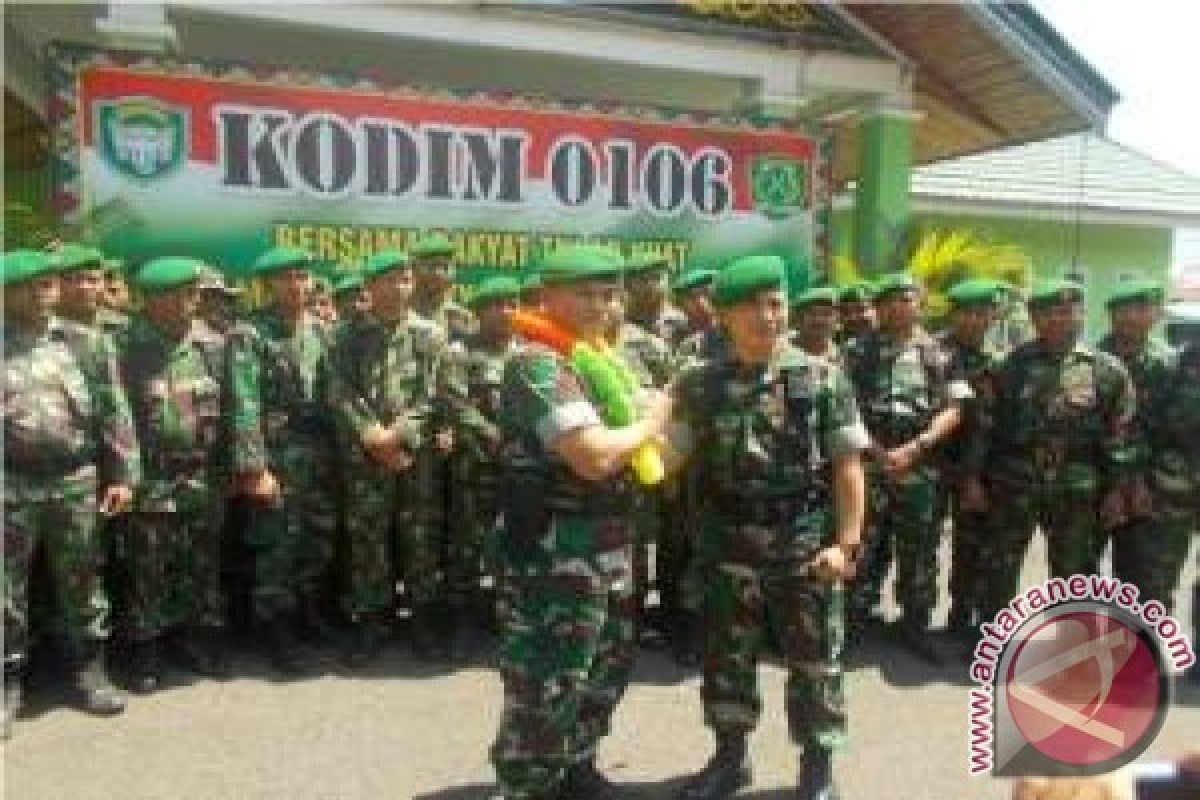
[
  {"x": 1142, "y": 290},
  {"x": 818, "y": 295},
  {"x": 166, "y": 274},
  {"x": 580, "y": 262},
  {"x": 280, "y": 258},
  {"x": 1054, "y": 292},
  {"x": 384, "y": 261},
  {"x": 975, "y": 292},
  {"x": 71, "y": 257},
  {"x": 746, "y": 277},
  {"x": 431, "y": 244},
  {"x": 21, "y": 266}
]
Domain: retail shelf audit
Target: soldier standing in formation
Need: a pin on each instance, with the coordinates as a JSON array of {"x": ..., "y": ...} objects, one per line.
[
  {"x": 281, "y": 441},
  {"x": 567, "y": 640},
  {"x": 172, "y": 367},
  {"x": 910, "y": 405},
  {"x": 1150, "y": 548},
  {"x": 777, "y": 439},
  {"x": 70, "y": 459},
  {"x": 974, "y": 307},
  {"x": 856, "y": 315},
  {"x": 1054, "y": 444},
  {"x": 816, "y": 323}
]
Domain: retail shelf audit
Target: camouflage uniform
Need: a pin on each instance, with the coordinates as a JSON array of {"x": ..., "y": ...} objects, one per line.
[
  {"x": 67, "y": 433},
  {"x": 382, "y": 374},
  {"x": 901, "y": 387},
  {"x": 1055, "y": 438},
  {"x": 650, "y": 360},
  {"x": 281, "y": 424},
  {"x": 567, "y": 604},
  {"x": 977, "y": 366},
  {"x": 180, "y": 412},
  {"x": 476, "y": 469},
  {"x": 764, "y": 438},
  {"x": 1151, "y": 548}
]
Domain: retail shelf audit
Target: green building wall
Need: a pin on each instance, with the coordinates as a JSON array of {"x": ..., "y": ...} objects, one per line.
[{"x": 1108, "y": 253}]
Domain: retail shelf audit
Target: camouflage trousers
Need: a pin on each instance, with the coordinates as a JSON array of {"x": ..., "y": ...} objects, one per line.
[
  {"x": 1150, "y": 552},
  {"x": 1068, "y": 520},
  {"x": 675, "y": 565},
  {"x": 566, "y": 652},
  {"x": 292, "y": 539},
  {"x": 66, "y": 527},
  {"x": 901, "y": 524},
  {"x": 746, "y": 596},
  {"x": 968, "y": 575},
  {"x": 471, "y": 534},
  {"x": 395, "y": 527},
  {"x": 174, "y": 568}
]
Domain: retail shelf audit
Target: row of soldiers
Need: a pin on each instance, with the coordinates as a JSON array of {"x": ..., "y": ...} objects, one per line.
[{"x": 366, "y": 447}]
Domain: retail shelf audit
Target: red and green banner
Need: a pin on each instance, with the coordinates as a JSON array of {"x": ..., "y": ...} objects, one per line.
[{"x": 221, "y": 160}]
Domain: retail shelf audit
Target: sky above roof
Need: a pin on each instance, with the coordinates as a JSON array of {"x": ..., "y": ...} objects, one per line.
[{"x": 1149, "y": 51}]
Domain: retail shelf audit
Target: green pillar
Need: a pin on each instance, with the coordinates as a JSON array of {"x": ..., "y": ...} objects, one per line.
[{"x": 881, "y": 199}]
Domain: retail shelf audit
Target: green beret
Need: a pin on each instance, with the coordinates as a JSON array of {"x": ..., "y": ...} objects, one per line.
[
  {"x": 819, "y": 295},
  {"x": 384, "y": 261},
  {"x": 860, "y": 292},
  {"x": 645, "y": 262},
  {"x": 693, "y": 279},
  {"x": 25, "y": 265},
  {"x": 894, "y": 283},
  {"x": 346, "y": 284},
  {"x": 280, "y": 258},
  {"x": 975, "y": 292},
  {"x": 747, "y": 277},
  {"x": 431, "y": 244},
  {"x": 494, "y": 287},
  {"x": 1054, "y": 292},
  {"x": 1136, "y": 291},
  {"x": 168, "y": 273},
  {"x": 71, "y": 257},
  {"x": 580, "y": 262}
]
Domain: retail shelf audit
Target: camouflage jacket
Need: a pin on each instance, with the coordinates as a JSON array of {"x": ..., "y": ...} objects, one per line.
[
  {"x": 1155, "y": 372},
  {"x": 767, "y": 435},
  {"x": 1061, "y": 419},
  {"x": 455, "y": 320},
  {"x": 833, "y": 353},
  {"x": 646, "y": 354},
  {"x": 1176, "y": 466},
  {"x": 977, "y": 366},
  {"x": 901, "y": 386},
  {"x": 670, "y": 326},
  {"x": 483, "y": 368},
  {"x": 66, "y": 417},
  {"x": 180, "y": 410},
  {"x": 699, "y": 348},
  {"x": 275, "y": 384},
  {"x": 405, "y": 375}
]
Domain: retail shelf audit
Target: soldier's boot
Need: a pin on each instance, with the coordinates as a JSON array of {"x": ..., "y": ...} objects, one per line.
[
  {"x": 202, "y": 651},
  {"x": 428, "y": 643},
  {"x": 91, "y": 690},
  {"x": 145, "y": 666},
  {"x": 282, "y": 651},
  {"x": 725, "y": 773},
  {"x": 13, "y": 699},
  {"x": 366, "y": 637},
  {"x": 313, "y": 623},
  {"x": 915, "y": 638},
  {"x": 585, "y": 782},
  {"x": 816, "y": 776},
  {"x": 688, "y": 639}
]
